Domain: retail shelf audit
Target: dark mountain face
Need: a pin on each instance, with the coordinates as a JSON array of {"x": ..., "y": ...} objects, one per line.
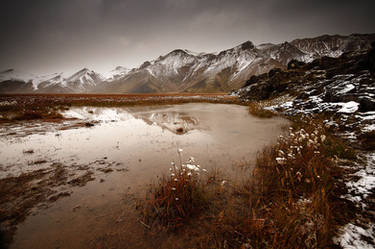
[
  {"x": 186, "y": 71},
  {"x": 15, "y": 86}
]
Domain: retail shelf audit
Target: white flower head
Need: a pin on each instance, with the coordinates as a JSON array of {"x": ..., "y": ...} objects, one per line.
[
  {"x": 180, "y": 150},
  {"x": 192, "y": 167},
  {"x": 281, "y": 160},
  {"x": 322, "y": 138}
]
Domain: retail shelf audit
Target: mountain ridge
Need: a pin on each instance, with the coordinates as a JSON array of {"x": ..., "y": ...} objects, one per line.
[{"x": 182, "y": 70}]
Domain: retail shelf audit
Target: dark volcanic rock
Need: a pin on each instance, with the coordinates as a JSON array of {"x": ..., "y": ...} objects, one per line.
[{"x": 366, "y": 104}]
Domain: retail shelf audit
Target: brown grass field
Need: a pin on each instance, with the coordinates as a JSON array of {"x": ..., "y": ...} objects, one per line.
[{"x": 46, "y": 106}]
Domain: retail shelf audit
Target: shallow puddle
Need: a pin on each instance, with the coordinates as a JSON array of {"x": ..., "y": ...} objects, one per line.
[{"x": 125, "y": 149}]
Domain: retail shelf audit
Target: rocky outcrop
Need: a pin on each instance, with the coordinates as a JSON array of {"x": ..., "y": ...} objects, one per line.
[
  {"x": 337, "y": 79},
  {"x": 343, "y": 88}
]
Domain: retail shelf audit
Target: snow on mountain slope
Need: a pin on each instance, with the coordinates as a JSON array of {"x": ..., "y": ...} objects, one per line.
[
  {"x": 116, "y": 73},
  {"x": 85, "y": 78},
  {"x": 80, "y": 81},
  {"x": 240, "y": 57},
  {"x": 170, "y": 64},
  {"x": 332, "y": 45},
  {"x": 14, "y": 75},
  {"x": 56, "y": 82},
  {"x": 184, "y": 70},
  {"x": 57, "y": 79}
]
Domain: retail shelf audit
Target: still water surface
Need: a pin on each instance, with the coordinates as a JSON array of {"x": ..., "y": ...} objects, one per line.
[{"x": 138, "y": 143}]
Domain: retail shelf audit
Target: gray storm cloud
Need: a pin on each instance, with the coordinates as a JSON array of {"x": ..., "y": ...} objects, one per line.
[{"x": 45, "y": 36}]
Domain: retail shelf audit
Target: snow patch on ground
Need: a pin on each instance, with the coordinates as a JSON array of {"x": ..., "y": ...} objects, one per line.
[
  {"x": 349, "y": 107},
  {"x": 369, "y": 128},
  {"x": 352, "y": 237},
  {"x": 347, "y": 88},
  {"x": 98, "y": 114},
  {"x": 355, "y": 236},
  {"x": 365, "y": 185}
]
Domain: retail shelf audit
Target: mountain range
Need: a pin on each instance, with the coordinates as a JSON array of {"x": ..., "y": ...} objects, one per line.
[{"x": 182, "y": 70}]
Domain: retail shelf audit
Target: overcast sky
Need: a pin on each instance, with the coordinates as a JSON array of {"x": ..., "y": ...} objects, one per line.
[{"x": 44, "y": 36}]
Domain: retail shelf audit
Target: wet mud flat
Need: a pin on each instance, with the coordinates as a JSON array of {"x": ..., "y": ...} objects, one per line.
[{"x": 61, "y": 179}]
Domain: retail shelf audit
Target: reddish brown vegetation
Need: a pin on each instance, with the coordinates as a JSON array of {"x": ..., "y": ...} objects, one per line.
[
  {"x": 46, "y": 106},
  {"x": 290, "y": 200}
]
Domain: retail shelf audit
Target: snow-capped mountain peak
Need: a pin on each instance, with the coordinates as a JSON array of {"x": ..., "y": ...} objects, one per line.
[
  {"x": 185, "y": 70},
  {"x": 85, "y": 77},
  {"x": 16, "y": 75},
  {"x": 116, "y": 73}
]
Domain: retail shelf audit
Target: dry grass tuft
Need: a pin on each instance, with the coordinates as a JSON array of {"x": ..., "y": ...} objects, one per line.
[
  {"x": 291, "y": 199},
  {"x": 177, "y": 197}
]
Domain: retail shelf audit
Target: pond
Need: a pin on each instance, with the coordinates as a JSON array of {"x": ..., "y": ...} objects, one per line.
[{"x": 122, "y": 150}]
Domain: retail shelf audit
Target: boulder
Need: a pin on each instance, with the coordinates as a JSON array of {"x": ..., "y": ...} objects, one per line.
[
  {"x": 274, "y": 71},
  {"x": 366, "y": 104}
]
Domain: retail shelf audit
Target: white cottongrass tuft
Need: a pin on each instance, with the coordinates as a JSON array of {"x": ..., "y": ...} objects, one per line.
[
  {"x": 322, "y": 138},
  {"x": 281, "y": 160}
]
